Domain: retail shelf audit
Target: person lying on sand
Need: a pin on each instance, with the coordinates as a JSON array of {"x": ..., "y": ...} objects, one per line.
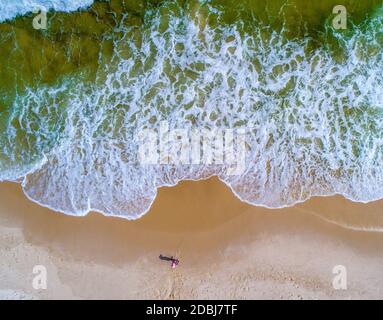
[{"x": 174, "y": 262}]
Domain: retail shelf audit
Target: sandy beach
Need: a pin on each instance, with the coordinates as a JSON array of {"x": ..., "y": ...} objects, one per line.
[
  {"x": 104, "y": 104},
  {"x": 227, "y": 249}
]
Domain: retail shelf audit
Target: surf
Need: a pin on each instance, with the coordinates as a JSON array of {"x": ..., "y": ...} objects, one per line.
[{"x": 310, "y": 101}]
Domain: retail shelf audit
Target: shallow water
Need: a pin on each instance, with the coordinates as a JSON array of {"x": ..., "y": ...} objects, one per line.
[{"x": 74, "y": 98}]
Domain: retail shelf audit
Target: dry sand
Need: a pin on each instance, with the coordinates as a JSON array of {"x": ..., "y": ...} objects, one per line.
[{"x": 227, "y": 249}]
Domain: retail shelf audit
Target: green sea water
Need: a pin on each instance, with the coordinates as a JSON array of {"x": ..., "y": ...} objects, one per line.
[{"x": 72, "y": 97}]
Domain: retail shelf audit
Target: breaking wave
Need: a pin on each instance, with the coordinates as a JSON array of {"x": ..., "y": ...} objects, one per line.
[
  {"x": 13, "y": 8},
  {"x": 313, "y": 115}
]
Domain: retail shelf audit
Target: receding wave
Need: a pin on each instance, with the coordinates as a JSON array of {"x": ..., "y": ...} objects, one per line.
[{"x": 311, "y": 107}]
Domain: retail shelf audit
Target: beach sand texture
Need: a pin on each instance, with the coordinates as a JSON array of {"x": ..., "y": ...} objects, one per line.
[{"x": 227, "y": 249}]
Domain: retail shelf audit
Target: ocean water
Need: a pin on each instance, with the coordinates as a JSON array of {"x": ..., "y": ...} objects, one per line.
[
  {"x": 75, "y": 97},
  {"x": 10, "y": 9}
]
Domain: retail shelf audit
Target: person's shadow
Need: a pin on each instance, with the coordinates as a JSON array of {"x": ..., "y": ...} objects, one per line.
[{"x": 166, "y": 258}]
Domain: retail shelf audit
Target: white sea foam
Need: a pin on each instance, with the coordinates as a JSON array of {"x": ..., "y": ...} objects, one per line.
[
  {"x": 10, "y": 9},
  {"x": 313, "y": 125}
]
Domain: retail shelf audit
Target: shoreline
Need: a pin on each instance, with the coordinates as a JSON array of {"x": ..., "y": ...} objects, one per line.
[{"x": 227, "y": 249}]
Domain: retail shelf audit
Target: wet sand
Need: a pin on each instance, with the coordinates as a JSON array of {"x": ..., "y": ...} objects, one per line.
[{"x": 227, "y": 249}]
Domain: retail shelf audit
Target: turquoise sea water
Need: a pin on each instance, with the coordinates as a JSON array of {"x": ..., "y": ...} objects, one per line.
[{"x": 74, "y": 97}]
